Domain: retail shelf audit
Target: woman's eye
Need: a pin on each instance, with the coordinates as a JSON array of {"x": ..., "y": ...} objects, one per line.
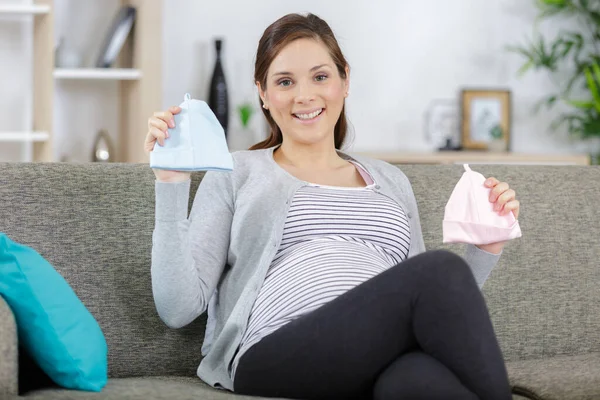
[
  {"x": 285, "y": 82},
  {"x": 321, "y": 77}
]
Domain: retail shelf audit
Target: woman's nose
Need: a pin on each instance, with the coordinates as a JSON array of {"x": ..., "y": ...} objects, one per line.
[{"x": 304, "y": 93}]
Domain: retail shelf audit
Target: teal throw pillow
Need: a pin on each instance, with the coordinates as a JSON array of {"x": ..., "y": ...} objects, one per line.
[{"x": 54, "y": 326}]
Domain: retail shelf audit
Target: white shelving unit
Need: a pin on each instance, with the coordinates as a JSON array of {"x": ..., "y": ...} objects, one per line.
[
  {"x": 26, "y": 139},
  {"x": 122, "y": 74},
  {"x": 35, "y": 137},
  {"x": 24, "y": 136},
  {"x": 136, "y": 96},
  {"x": 23, "y": 9}
]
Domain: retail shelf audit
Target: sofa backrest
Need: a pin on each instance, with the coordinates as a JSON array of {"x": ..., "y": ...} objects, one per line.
[
  {"x": 94, "y": 223},
  {"x": 544, "y": 294}
]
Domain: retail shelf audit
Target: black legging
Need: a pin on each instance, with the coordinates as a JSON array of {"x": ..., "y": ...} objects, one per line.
[{"x": 420, "y": 330}]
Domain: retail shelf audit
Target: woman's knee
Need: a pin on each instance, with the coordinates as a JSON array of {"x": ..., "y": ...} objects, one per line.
[
  {"x": 417, "y": 375},
  {"x": 444, "y": 264}
]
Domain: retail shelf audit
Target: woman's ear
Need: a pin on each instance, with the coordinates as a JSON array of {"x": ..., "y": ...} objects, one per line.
[
  {"x": 261, "y": 92},
  {"x": 347, "y": 81}
]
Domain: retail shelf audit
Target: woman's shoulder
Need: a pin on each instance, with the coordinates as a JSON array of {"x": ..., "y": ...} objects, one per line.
[
  {"x": 244, "y": 158},
  {"x": 245, "y": 164}
]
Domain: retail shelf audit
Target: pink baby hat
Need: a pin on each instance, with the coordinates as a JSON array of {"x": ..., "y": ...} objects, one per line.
[{"x": 470, "y": 217}]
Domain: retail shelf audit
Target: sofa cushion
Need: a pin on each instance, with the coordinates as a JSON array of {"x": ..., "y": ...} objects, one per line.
[
  {"x": 557, "y": 378},
  {"x": 148, "y": 388},
  {"x": 54, "y": 326}
]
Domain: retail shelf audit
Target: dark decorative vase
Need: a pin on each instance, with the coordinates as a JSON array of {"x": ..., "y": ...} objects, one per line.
[{"x": 218, "y": 99}]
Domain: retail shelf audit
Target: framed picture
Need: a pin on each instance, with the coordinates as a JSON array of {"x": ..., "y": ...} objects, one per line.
[{"x": 486, "y": 119}]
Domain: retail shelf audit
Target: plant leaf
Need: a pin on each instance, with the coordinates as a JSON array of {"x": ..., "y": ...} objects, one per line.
[
  {"x": 596, "y": 70},
  {"x": 559, "y": 3},
  {"x": 525, "y": 67},
  {"x": 577, "y": 75},
  {"x": 590, "y": 127},
  {"x": 566, "y": 49},
  {"x": 527, "y": 53},
  {"x": 593, "y": 87},
  {"x": 594, "y": 16},
  {"x": 547, "y": 101},
  {"x": 580, "y": 103}
]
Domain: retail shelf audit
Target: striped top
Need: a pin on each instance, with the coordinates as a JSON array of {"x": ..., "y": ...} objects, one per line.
[{"x": 334, "y": 238}]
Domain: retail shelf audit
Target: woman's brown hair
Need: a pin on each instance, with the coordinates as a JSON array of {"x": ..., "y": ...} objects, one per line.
[{"x": 278, "y": 35}]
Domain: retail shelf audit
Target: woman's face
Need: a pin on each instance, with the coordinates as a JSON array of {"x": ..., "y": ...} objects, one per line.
[{"x": 304, "y": 92}]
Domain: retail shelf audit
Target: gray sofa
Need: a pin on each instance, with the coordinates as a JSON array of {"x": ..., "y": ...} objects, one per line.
[{"x": 94, "y": 223}]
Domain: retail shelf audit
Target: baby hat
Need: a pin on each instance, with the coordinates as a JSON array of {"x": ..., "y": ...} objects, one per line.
[
  {"x": 470, "y": 217},
  {"x": 197, "y": 143}
]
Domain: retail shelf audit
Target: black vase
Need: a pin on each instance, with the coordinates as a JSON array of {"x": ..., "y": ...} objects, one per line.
[{"x": 218, "y": 99}]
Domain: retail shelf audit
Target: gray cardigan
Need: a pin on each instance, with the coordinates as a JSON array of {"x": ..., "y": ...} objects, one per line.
[{"x": 217, "y": 258}]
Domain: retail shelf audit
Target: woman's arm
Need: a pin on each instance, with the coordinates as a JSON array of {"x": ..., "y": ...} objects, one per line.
[
  {"x": 494, "y": 248},
  {"x": 481, "y": 261},
  {"x": 189, "y": 254}
]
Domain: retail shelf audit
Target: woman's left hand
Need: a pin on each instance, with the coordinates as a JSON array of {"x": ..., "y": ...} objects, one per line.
[{"x": 504, "y": 199}]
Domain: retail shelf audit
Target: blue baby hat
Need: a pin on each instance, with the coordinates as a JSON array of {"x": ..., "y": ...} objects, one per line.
[{"x": 197, "y": 143}]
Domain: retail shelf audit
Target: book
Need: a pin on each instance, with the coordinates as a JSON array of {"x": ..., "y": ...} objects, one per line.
[{"x": 117, "y": 35}]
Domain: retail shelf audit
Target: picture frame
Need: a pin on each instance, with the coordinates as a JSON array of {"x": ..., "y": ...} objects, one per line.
[{"x": 486, "y": 119}]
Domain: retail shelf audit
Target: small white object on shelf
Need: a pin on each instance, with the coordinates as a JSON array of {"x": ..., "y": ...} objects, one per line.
[
  {"x": 98, "y": 73},
  {"x": 24, "y": 136},
  {"x": 23, "y": 9}
]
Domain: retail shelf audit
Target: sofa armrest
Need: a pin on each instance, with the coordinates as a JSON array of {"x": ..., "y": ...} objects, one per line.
[{"x": 9, "y": 367}]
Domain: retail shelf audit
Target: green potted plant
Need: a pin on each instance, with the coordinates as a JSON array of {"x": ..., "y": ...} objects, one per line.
[
  {"x": 242, "y": 138},
  {"x": 497, "y": 143},
  {"x": 577, "y": 52},
  {"x": 246, "y": 110}
]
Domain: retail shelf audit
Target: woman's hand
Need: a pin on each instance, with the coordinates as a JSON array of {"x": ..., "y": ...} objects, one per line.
[
  {"x": 504, "y": 199},
  {"x": 158, "y": 126}
]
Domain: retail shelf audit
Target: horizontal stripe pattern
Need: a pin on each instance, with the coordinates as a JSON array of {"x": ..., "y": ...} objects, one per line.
[{"x": 333, "y": 239}]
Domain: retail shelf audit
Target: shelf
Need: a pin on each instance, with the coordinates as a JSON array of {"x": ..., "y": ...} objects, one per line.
[
  {"x": 478, "y": 157},
  {"x": 120, "y": 74},
  {"x": 137, "y": 90},
  {"x": 24, "y": 136},
  {"x": 23, "y": 9}
]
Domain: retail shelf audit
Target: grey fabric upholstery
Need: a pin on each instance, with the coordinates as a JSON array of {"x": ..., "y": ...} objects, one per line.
[
  {"x": 544, "y": 295},
  {"x": 172, "y": 388},
  {"x": 94, "y": 223},
  {"x": 557, "y": 378},
  {"x": 8, "y": 351}
]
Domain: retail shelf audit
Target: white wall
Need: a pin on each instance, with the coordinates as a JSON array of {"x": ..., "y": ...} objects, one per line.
[{"x": 403, "y": 55}]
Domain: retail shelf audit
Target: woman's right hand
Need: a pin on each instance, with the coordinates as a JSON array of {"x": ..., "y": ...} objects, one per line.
[{"x": 158, "y": 126}]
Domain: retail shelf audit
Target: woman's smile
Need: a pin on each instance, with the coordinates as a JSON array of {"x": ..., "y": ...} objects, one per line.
[{"x": 309, "y": 117}]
